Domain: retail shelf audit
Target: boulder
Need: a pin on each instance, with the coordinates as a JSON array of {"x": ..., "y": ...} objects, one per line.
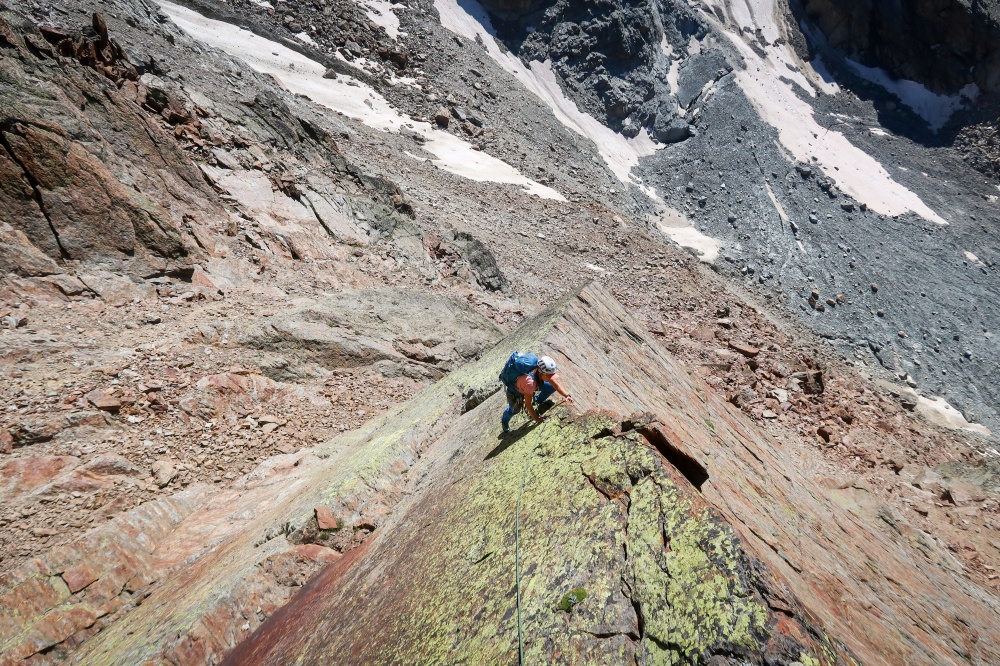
[
  {"x": 749, "y": 351},
  {"x": 19, "y": 256},
  {"x": 326, "y": 520},
  {"x": 104, "y": 400},
  {"x": 672, "y": 130},
  {"x": 163, "y": 472}
]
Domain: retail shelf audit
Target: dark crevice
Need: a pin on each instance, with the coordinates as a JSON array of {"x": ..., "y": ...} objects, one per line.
[
  {"x": 182, "y": 273},
  {"x": 627, "y": 588},
  {"x": 601, "y": 492},
  {"x": 607, "y": 634},
  {"x": 692, "y": 470},
  {"x": 35, "y": 189},
  {"x": 639, "y": 618},
  {"x": 633, "y": 335}
]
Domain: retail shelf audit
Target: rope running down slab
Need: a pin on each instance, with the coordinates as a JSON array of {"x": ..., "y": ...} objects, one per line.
[{"x": 517, "y": 564}]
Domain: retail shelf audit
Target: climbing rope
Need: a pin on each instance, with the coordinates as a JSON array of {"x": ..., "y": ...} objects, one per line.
[{"x": 517, "y": 563}]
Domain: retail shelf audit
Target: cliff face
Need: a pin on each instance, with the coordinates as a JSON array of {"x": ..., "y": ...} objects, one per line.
[
  {"x": 87, "y": 175},
  {"x": 944, "y": 45},
  {"x": 648, "y": 523}
]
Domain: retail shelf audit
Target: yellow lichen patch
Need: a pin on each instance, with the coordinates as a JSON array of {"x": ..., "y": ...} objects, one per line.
[
  {"x": 688, "y": 581},
  {"x": 593, "y": 511}
]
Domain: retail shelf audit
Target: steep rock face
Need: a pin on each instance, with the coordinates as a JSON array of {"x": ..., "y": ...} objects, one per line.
[
  {"x": 679, "y": 533},
  {"x": 943, "y": 44},
  {"x": 72, "y": 142},
  {"x": 90, "y": 214},
  {"x": 612, "y": 58}
]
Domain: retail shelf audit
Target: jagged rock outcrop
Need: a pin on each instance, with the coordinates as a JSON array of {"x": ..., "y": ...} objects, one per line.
[{"x": 70, "y": 170}]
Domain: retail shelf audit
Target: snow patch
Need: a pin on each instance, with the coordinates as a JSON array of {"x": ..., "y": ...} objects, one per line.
[
  {"x": 938, "y": 410},
  {"x": 680, "y": 230},
  {"x": 380, "y": 12},
  {"x": 761, "y": 20},
  {"x": 855, "y": 172},
  {"x": 777, "y": 205},
  {"x": 827, "y": 83},
  {"x": 675, "y": 64},
  {"x": 673, "y": 77},
  {"x": 935, "y": 409},
  {"x": 973, "y": 258},
  {"x": 935, "y": 109},
  {"x": 304, "y": 37},
  {"x": 619, "y": 152},
  {"x": 303, "y": 76}
]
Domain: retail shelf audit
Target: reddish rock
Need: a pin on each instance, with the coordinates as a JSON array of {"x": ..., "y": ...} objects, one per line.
[
  {"x": 828, "y": 434},
  {"x": 316, "y": 552},
  {"x": 325, "y": 518},
  {"x": 958, "y": 495},
  {"x": 59, "y": 625},
  {"x": 80, "y": 576},
  {"x": 6, "y": 442},
  {"x": 104, "y": 401},
  {"x": 30, "y": 598},
  {"x": 94, "y": 215},
  {"x": 703, "y": 333},
  {"x": 18, "y": 255},
  {"x": 743, "y": 348},
  {"x": 26, "y": 474}
]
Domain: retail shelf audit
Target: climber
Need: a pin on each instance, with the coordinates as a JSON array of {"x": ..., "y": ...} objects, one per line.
[{"x": 529, "y": 381}]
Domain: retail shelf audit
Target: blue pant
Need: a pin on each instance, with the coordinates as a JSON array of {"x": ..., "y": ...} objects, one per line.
[{"x": 515, "y": 401}]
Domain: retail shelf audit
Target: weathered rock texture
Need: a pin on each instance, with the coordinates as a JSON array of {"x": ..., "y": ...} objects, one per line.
[
  {"x": 400, "y": 332},
  {"x": 694, "y": 537},
  {"x": 86, "y": 174}
]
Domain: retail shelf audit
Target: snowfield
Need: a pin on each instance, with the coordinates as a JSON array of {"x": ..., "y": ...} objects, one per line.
[{"x": 304, "y": 76}]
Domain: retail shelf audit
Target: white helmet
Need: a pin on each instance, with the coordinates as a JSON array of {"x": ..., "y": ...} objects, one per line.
[{"x": 546, "y": 366}]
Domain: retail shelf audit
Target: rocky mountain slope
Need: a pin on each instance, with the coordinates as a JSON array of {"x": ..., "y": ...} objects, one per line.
[
  {"x": 640, "y": 525},
  {"x": 254, "y": 283}
]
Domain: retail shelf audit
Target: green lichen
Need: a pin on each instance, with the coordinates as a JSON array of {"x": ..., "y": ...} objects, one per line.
[
  {"x": 688, "y": 577},
  {"x": 596, "y": 510},
  {"x": 572, "y": 599},
  {"x": 809, "y": 660}
]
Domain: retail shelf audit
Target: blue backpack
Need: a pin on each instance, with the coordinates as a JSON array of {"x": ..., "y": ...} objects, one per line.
[{"x": 518, "y": 364}]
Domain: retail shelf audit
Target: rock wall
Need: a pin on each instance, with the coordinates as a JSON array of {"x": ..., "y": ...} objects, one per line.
[
  {"x": 73, "y": 138},
  {"x": 613, "y": 59},
  {"x": 945, "y": 45}
]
